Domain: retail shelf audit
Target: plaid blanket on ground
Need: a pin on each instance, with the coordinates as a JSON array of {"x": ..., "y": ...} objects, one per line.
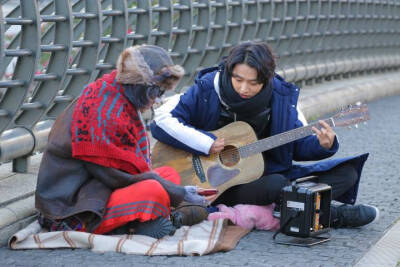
[{"x": 200, "y": 239}]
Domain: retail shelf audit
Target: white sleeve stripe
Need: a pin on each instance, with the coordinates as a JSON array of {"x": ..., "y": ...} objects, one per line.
[
  {"x": 186, "y": 135},
  {"x": 301, "y": 116}
]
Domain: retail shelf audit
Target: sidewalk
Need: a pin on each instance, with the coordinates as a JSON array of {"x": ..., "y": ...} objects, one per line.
[{"x": 17, "y": 202}]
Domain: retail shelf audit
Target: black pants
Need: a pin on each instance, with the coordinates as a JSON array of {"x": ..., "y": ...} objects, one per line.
[{"x": 266, "y": 190}]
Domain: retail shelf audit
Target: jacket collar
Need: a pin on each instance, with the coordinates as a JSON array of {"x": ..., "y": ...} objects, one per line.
[{"x": 205, "y": 71}]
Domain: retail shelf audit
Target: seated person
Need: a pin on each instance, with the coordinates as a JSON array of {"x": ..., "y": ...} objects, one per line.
[
  {"x": 95, "y": 174},
  {"x": 245, "y": 87}
]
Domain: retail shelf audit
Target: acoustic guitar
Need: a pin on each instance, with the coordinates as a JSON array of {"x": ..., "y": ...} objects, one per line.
[{"x": 241, "y": 160}]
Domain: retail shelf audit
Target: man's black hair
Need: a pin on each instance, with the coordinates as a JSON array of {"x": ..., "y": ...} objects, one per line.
[{"x": 257, "y": 55}]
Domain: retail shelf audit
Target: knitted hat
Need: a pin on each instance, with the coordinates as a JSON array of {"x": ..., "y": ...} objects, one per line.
[{"x": 148, "y": 65}]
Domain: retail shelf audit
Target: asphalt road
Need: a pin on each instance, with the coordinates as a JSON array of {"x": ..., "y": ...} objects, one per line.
[{"x": 379, "y": 186}]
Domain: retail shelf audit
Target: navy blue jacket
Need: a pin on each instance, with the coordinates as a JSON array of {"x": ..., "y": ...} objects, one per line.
[{"x": 185, "y": 121}]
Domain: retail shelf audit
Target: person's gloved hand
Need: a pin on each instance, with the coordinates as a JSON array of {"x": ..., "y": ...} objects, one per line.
[{"x": 191, "y": 196}]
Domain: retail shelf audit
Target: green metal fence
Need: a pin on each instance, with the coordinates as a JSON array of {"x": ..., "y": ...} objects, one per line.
[{"x": 51, "y": 49}]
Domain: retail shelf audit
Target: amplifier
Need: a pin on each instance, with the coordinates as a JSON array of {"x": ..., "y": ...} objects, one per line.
[{"x": 305, "y": 209}]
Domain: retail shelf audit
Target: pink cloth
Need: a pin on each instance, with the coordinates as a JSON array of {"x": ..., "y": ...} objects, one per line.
[{"x": 248, "y": 216}]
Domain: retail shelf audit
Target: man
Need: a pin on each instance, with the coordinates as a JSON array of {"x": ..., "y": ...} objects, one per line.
[{"x": 244, "y": 87}]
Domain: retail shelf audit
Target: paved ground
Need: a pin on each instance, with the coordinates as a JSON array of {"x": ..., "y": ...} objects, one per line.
[{"x": 379, "y": 187}]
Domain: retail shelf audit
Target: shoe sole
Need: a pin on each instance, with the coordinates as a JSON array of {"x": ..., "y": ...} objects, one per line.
[{"x": 157, "y": 228}]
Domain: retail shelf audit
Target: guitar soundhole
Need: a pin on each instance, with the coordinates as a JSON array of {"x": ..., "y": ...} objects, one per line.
[{"x": 229, "y": 156}]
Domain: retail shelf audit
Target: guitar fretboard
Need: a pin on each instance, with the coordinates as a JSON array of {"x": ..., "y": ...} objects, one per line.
[{"x": 280, "y": 139}]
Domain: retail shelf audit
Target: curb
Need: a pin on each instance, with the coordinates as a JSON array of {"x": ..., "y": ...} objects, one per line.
[
  {"x": 319, "y": 100},
  {"x": 386, "y": 252},
  {"x": 16, "y": 216}
]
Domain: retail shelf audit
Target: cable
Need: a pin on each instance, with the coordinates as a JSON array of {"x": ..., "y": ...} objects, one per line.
[{"x": 288, "y": 220}]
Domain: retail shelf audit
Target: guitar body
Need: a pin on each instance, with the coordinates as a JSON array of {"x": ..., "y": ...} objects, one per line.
[{"x": 222, "y": 170}]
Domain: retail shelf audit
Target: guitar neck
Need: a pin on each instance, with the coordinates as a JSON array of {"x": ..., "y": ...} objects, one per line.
[{"x": 280, "y": 139}]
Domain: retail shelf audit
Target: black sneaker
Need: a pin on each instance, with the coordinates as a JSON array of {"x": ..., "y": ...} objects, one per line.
[
  {"x": 157, "y": 228},
  {"x": 353, "y": 216},
  {"x": 277, "y": 211}
]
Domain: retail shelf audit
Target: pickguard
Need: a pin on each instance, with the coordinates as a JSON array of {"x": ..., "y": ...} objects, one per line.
[{"x": 218, "y": 175}]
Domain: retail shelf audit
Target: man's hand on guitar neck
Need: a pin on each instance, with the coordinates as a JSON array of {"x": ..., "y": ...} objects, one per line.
[
  {"x": 326, "y": 135},
  {"x": 217, "y": 146}
]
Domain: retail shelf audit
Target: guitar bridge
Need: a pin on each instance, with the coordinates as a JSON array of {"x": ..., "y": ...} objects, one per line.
[{"x": 198, "y": 168}]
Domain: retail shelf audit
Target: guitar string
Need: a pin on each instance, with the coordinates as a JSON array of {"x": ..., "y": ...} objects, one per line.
[{"x": 250, "y": 148}]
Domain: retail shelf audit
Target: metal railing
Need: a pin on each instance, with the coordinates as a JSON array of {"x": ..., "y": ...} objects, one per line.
[{"x": 51, "y": 49}]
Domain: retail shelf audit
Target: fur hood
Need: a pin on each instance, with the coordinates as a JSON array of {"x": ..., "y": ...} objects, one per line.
[{"x": 149, "y": 65}]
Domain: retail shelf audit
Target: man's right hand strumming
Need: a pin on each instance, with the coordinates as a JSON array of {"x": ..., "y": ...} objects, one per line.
[{"x": 218, "y": 145}]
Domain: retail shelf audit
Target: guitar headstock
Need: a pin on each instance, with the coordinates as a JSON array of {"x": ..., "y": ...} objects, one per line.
[{"x": 352, "y": 115}]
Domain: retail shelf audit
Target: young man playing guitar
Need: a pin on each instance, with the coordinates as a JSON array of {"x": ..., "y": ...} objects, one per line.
[{"x": 244, "y": 87}]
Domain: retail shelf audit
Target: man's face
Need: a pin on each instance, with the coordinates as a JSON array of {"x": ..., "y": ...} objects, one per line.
[
  {"x": 154, "y": 95},
  {"x": 149, "y": 105},
  {"x": 244, "y": 81}
]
